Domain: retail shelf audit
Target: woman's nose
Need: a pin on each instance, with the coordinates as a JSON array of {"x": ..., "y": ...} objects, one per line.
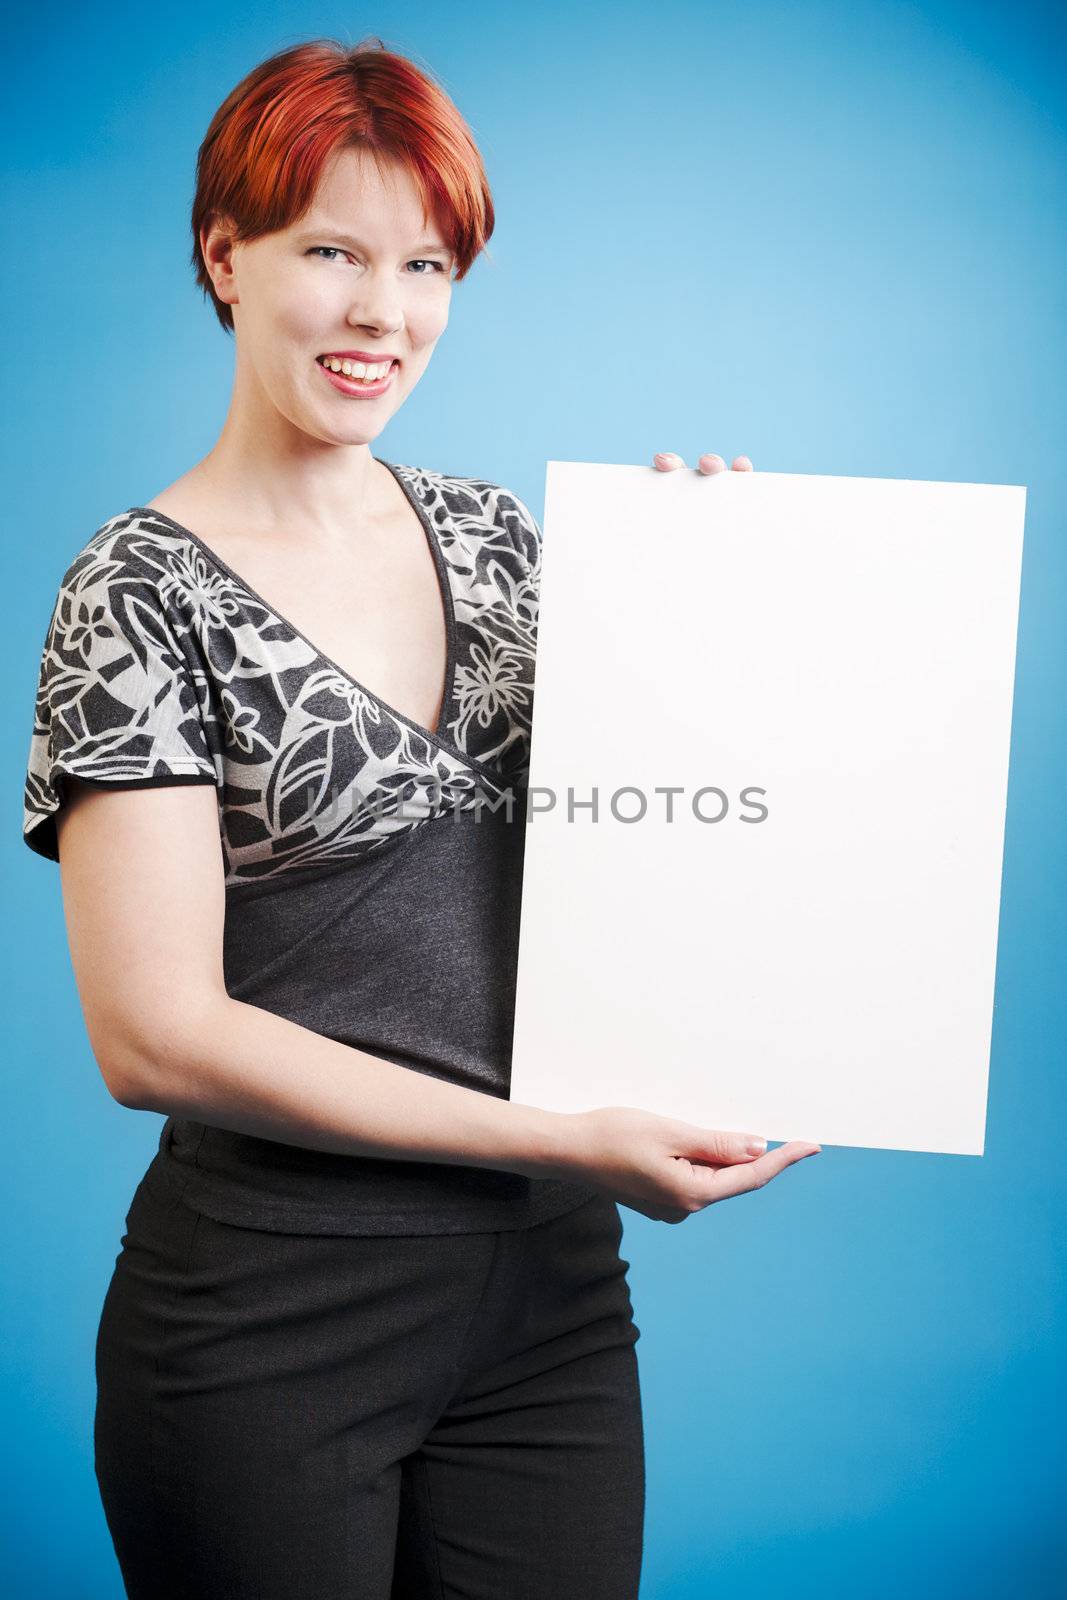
[{"x": 378, "y": 305}]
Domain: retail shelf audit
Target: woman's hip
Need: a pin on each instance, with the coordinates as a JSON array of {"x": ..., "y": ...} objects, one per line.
[
  {"x": 212, "y": 1314},
  {"x": 264, "y": 1398}
]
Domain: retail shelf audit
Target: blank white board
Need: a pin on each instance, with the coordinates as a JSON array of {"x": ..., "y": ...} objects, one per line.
[{"x": 815, "y": 958}]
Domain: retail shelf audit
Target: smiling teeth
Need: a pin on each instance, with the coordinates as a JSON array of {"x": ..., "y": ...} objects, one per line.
[{"x": 369, "y": 372}]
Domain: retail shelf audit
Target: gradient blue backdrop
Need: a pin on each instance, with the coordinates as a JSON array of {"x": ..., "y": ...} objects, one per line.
[{"x": 838, "y": 230}]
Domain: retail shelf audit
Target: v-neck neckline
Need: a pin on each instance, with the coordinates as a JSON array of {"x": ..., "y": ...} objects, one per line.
[{"x": 437, "y": 734}]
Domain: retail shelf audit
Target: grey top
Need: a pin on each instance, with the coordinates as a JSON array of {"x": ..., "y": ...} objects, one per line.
[{"x": 373, "y": 868}]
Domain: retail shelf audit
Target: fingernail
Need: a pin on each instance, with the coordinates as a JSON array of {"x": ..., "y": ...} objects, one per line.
[
  {"x": 665, "y": 457},
  {"x": 756, "y": 1147}
]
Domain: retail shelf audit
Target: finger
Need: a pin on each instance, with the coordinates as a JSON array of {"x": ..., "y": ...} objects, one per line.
[
  {"x": 710, "y": 463},
  {"x": 718, "y": 1148},
  {"x": 734, "y": 1180},
  {"x": 741, "y": 464},
  {"x": 667, "y": 461}
]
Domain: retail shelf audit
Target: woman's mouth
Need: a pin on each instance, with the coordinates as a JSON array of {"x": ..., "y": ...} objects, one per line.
[{"x": 363, "y": 379}]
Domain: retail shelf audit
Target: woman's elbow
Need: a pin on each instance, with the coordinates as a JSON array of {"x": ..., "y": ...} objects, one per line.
[
  {"x": 118, "y": 1068},
  {"x": 143, "y": 1061}
]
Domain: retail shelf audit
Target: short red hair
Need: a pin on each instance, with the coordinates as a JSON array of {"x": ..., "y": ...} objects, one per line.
[{"x": 270, "y": 139}]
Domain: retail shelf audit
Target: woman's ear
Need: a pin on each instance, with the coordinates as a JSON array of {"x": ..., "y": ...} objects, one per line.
[{"x": 216, "y": 247}]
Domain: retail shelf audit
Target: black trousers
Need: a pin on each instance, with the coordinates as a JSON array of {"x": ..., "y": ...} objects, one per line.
[{"x": 303, "y": 1417}]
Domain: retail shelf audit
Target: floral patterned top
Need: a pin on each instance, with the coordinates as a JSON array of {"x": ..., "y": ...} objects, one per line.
[
  {"x": 162, "y": 665},
  {"x": 372, "y": 866}
]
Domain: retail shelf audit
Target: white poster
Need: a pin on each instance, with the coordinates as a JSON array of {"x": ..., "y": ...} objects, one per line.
[{"x": 769, "y": 771}]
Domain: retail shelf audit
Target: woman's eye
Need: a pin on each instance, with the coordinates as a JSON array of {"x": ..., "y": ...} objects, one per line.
[{"x": 331, "y": 251}]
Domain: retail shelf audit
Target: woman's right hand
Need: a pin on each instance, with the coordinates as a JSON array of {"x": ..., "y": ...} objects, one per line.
[{"x": 668, "y": 1169}]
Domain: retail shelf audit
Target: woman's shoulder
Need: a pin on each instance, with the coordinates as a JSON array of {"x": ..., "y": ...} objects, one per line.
[
  {"x": 130, "y": 545},
  {"x": 478, "y": 507}
]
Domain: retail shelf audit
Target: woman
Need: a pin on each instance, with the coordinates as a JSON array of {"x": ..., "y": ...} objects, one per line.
[{"x": 369, "y": 1332}]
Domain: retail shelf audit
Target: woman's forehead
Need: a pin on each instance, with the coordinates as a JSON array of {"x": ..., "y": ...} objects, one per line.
[{"x": 354, "y": 187}]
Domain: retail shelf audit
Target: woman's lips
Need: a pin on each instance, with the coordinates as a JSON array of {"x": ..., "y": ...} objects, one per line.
[{"x": 353, "y": 387}]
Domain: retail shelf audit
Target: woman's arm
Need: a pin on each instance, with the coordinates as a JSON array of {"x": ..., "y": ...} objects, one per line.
[
  {"x": 143, "y": 891},
  {"x": 143, "y": 894}
]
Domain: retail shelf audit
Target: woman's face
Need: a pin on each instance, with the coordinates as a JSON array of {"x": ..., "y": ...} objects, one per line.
[{"x": 361, "y": 271}]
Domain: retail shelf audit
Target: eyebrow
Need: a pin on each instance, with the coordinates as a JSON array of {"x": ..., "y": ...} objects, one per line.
[{"x": 350, "y": 238}]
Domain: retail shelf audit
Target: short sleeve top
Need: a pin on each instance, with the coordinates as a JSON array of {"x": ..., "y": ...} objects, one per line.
[{"x": 372, "y": 867}]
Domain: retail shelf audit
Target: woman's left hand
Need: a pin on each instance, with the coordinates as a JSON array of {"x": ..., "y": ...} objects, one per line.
[{"x": 667, "y": 461}]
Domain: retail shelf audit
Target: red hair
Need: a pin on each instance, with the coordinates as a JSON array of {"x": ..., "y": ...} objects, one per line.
[{"x": 270, "y": 139}]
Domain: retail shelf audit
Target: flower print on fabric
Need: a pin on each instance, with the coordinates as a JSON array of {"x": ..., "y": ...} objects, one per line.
[{"x": 161, "y": 666}]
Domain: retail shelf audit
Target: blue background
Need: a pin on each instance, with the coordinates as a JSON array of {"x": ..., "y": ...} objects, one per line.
[{"x": 838, "y": 231}]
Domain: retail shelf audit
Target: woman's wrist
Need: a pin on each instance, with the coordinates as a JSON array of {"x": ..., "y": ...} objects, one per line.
[{"x": 545, "y": 1144}]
